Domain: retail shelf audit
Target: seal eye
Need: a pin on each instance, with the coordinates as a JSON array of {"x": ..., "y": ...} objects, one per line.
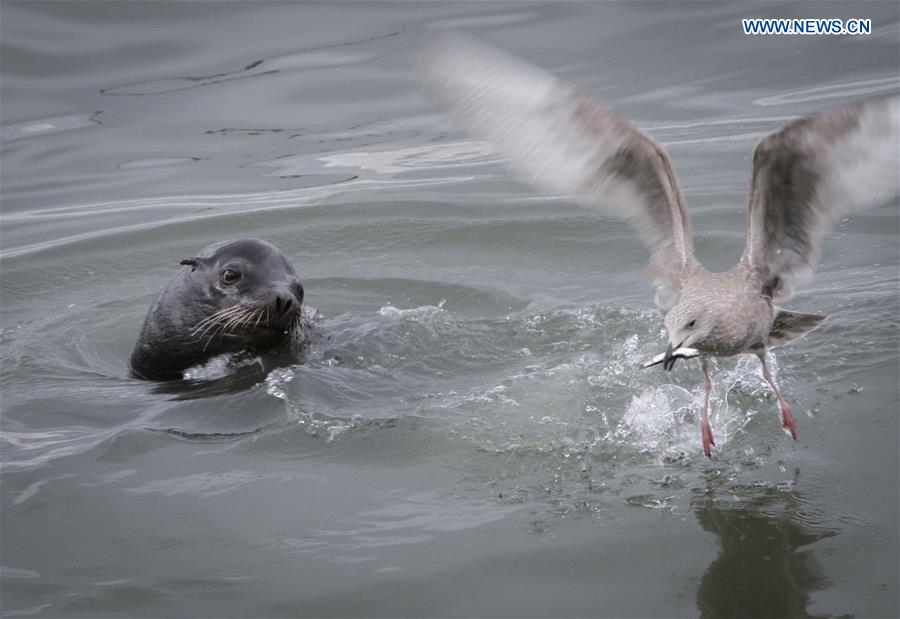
[
  {"x": 690, "y": 325},
  {"x": 230, "y": 276}
]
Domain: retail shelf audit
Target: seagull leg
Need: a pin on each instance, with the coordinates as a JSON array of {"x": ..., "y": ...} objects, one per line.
[
  {"x": 787, "y": 418},
  {"x": 705, "y": 429}
]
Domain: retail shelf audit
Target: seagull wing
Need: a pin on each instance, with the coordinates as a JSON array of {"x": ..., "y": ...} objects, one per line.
[
  {"x": 565, "y": 142},
  {"x": 812, "y": 172}
]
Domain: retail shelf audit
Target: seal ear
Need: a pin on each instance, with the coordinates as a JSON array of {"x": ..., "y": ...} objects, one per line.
[{"x": 191, "y": 262}]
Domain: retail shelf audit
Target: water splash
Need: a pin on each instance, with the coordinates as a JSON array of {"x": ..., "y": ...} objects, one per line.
[{"x": 563, "y": 382}]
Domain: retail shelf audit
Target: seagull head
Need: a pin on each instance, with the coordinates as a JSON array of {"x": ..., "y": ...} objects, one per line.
[{"x": 688, "y": 324}]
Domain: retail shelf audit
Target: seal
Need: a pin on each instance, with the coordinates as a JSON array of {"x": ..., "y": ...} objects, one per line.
[{"x": 233, "y": 296}]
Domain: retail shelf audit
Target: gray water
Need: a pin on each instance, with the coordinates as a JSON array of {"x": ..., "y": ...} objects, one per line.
[{"x": 469, "y": 432}]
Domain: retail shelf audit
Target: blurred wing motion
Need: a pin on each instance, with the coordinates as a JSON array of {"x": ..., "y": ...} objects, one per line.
[
  {"x": 565, "y": 142},
  {"x": 811, "y": 173}
]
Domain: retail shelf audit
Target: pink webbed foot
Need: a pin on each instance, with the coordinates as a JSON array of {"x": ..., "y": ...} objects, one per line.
[
  {"x": 787, "y": 421},
  {"x": 707, "y": 435}
]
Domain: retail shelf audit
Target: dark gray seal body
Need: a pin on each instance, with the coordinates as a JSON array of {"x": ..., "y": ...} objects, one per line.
[{"x": 232, "y": 296}]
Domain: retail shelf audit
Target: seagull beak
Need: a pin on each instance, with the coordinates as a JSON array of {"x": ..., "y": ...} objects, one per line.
[{"x": 668, "y": 359}]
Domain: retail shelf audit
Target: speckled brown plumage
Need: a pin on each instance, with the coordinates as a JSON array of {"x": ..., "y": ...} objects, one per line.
[{"x": 804, "y": 176}]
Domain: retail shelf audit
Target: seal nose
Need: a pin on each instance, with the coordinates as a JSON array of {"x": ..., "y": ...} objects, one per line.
[{"x": 284, "y": 302}]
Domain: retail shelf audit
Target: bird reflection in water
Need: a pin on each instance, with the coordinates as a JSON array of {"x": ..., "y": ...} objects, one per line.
[{"x": 765, "y": 566}]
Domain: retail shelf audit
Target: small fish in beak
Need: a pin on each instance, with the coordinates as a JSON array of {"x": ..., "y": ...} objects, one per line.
[{"x": 669, "y": 357}]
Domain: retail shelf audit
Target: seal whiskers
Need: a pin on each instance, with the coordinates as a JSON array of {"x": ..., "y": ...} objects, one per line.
[
  {"x": 230, "y": 320},
  {"x": 218, "y": 319},
  {"x": 223, "y": 323}
]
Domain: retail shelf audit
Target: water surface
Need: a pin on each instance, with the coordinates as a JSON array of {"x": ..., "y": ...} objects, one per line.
[{"x": 469, "y": 432}]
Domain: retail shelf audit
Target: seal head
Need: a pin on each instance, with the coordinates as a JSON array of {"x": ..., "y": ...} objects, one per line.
[{"x": 233, "y": 296}]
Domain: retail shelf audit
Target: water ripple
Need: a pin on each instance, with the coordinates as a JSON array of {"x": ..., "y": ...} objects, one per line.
[
  {"x": 45, "y": 126},
  {"x": 832, "y": 91},
  {"x": 323, "y": 57}
]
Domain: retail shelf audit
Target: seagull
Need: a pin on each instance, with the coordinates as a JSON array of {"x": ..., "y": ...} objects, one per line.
[{"x": 804, "y": 176}]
